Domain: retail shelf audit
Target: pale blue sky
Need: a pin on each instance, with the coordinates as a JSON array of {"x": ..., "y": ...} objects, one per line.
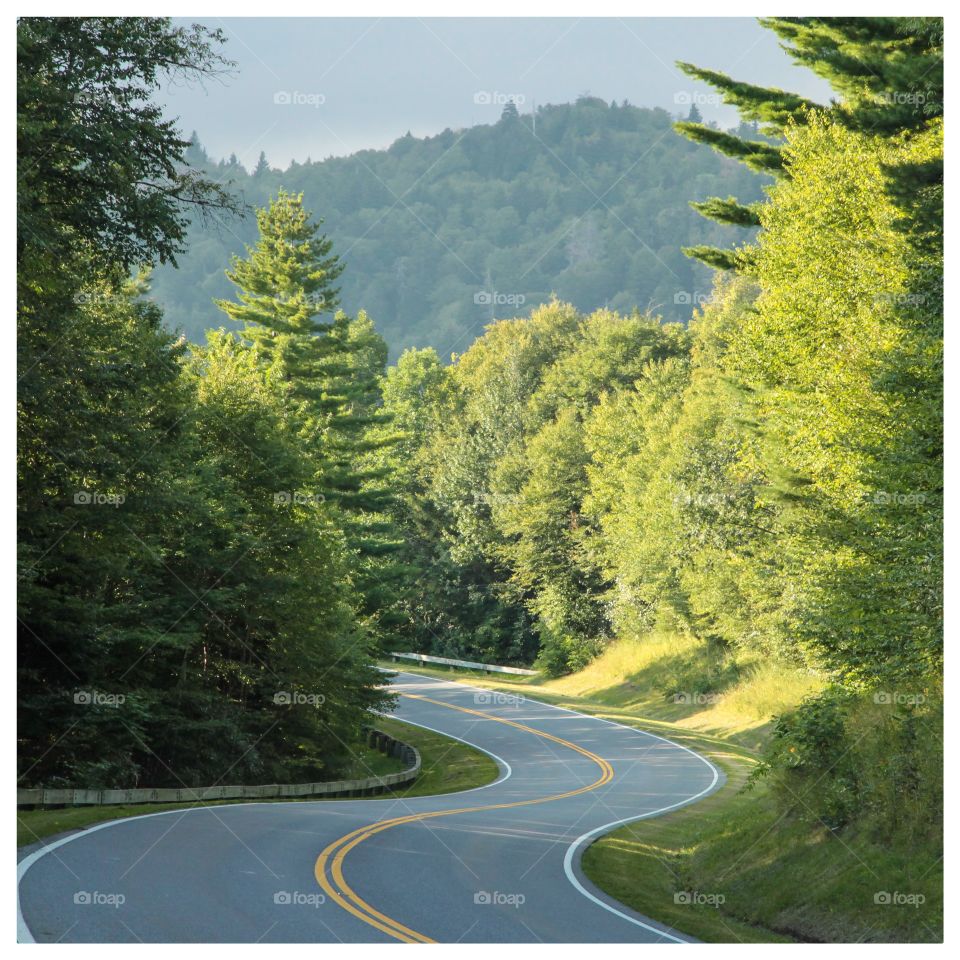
[{"x": 358, "y": 83}]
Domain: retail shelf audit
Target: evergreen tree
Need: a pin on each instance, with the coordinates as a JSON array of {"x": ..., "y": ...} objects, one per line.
[
  {"x": 888, "y": 70},
  {"x": 329, "y": 369},
  {"x": 262, "y": 166},
  {"x": 509, "y": 112}
]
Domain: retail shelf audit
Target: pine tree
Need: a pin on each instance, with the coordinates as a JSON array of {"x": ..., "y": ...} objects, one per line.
[
  {"x": 285, "y": 284},
  {"x": 888, "y": 70},
  {"x": 329, "y": 369},
  {"x": 262, "y": 166}
]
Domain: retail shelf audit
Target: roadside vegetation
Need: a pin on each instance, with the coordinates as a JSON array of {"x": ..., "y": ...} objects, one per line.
[
  {"x": 447, "y": 766},
  {"x": 736, "y": 866}
]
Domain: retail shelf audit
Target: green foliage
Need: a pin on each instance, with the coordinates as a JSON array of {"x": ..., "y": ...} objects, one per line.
[
  {"x": 873, "y": 758},
  {"x": 98, "y": 163},
  {"x": 841, "y": 307},
  {"x": 173, "y": 578},
  {"x": 758, "y": 155},
  {"x": 330, "y": 374}
]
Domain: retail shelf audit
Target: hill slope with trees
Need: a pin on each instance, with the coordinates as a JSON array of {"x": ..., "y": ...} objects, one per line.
[{"x": 442, "y": 234}]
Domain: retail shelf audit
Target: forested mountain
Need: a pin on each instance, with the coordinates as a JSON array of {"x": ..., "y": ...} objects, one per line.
[{"x": 590, "y": 202}]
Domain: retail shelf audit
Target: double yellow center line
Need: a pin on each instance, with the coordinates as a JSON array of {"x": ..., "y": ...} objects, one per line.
[{"x": 329, "y": 866}]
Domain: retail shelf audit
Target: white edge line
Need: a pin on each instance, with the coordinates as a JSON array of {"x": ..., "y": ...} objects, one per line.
[
  {"x": 572, "y": 857},
  {"x": 506, "y": 771},
  {"x": 23, "y": 931}
]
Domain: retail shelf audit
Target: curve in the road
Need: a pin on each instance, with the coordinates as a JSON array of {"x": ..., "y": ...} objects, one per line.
[
  {"x": 336, "y": 886},
  {"x": 180, "y": 871}
]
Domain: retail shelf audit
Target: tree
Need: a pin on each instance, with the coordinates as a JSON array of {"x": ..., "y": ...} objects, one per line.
[
  {"x": 262, "y": 168},
  {"x": 889, "y": 71},
  {"x": 98, "y": 163},
  {"x": 329, "y": 369}
]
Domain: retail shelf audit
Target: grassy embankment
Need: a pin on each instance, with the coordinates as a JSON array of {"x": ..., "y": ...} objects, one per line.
[
  {"x": 447, "y": 766},
  {"x": 732, "y": 868}
]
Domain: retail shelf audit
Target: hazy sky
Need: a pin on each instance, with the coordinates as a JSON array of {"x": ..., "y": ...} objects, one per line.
[{"x": 316, "y": 87}]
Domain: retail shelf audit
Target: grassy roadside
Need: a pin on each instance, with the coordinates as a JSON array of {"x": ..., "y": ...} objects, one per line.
[
  {"x": 447, "y": 766},
  {"x": 731, "y": 868}
]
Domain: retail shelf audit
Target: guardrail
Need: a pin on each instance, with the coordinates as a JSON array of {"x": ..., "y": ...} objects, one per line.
[
  {"x": 42, "y": 797},
  {"x": 466, "y": 664}
]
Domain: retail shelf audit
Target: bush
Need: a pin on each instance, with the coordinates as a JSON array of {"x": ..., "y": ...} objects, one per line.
[{"x": 871, "y": 757}]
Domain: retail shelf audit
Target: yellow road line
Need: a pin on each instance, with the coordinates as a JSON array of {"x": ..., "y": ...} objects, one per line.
[{"x": 336, "y": 887}]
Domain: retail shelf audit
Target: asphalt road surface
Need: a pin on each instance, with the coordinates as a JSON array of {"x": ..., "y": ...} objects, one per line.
[{"x": 498, "y": 864}]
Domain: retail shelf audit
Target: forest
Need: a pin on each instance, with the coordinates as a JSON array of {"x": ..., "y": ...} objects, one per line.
[
  {"x": 261, "y": 502},
  {"x": 586, "y": 201}
]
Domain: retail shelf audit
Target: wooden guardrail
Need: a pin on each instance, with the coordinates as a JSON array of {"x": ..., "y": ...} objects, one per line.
[
  {"x": 43, "y": 797},
  {"x": 466, "y": 664}
]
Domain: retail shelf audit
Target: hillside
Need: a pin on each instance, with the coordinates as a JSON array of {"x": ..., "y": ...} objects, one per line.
[{"x": 590, "y": 201}]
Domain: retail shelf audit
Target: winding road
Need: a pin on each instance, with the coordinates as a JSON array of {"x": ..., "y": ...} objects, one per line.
[{"x": 498, "y": 864}]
